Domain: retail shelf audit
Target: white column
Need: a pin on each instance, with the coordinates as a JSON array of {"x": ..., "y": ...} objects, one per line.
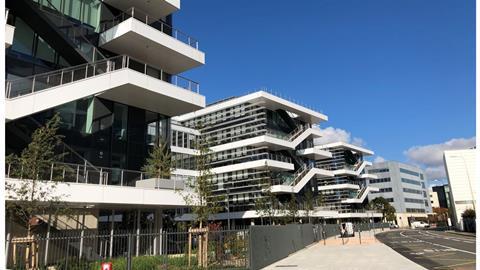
[
  {"x": 47, "y": 242},
  {"x": 112, "y": 224},
  {"x": 158, "y": 230},
  {"x": 139, "y": 212},
  {"x": 82, "y": 234}
]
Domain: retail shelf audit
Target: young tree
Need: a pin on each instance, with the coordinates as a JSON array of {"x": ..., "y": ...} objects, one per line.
[
  {"x": 159, "y": 163},
  {"x": 381, "y": 204},
  {"x": 266, "y": 206},
  {"x": 200, "y": 196},
  {"x": 309, "y": 204},
  {"x": 292, "y": 209},
  {"x": 468, "y": 214},
  {"x": 31, "y": 195}
]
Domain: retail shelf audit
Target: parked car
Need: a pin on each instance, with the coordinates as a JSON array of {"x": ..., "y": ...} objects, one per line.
[
  {"x": 420, "y": 225},
  {"x": 393, "y": 226},
  {"x": 347, "y": 229}
]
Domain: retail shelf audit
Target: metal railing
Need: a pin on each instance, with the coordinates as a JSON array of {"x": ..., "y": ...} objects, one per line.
[
  {"x": 39, "y": 82},
  {"x": 148, "y": 20},
  {"x": 163, "y": 249}
]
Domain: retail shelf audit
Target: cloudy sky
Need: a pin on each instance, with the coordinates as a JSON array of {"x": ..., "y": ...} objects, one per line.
[{"x": 395, "y": 76}]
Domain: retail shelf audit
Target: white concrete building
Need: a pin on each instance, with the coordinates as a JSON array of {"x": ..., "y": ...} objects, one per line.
[
  {"x": 461, "y": 167},
  {"x": 404, "y": 186},
  {"x": 434, "y": 198}
]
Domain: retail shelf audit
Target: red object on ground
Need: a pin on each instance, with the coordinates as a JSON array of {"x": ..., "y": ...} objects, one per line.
[{"x": 107, "y": 266}]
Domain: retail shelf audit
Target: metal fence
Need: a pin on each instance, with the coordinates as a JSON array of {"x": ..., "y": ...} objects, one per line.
[{"x": 227, "y": 249}]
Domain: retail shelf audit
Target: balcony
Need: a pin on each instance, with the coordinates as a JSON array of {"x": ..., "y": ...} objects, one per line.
[
  {"x": 157, "y": 8},
  {"x": 121, "y": 78},
  {"x": 135, "y": 33},
  {"x": 82, "y": 184}
]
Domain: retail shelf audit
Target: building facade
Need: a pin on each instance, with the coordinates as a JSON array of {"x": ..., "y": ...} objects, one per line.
[
  {"x": 443, "y": 194},
  {"x": 112, "y": 71},
  {"x": 462, "y": 180},
  {"x": 262, "y": 143},
  {"x": 404, "y": 186},
  {"x": 434, "y": 199}
]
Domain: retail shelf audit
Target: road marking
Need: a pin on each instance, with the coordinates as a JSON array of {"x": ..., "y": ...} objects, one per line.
[
  {"x": 456, "y": 249},
  {"x": 450, "y": 237}
]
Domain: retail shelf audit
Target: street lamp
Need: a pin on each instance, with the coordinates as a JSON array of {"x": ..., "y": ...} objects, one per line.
[{"x": 468, "y": 177}]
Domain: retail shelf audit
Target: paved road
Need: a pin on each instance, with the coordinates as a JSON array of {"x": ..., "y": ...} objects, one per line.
[{"x": 432, "y": 249}]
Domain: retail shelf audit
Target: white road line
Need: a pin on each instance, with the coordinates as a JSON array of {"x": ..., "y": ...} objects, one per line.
[
  {"x": 452, "y": 248},
  {"x": 471, "y": 241}
]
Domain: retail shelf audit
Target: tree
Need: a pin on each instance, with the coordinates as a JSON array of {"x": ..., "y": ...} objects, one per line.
[
  {"x": 266, "y": 206},
  {"x": 292, "y": 209},
  {"x": 200, "y": 196},
  {"x": 159, "y": 163},
  {"x": 309, "y": 204},
  {"x": 469, "y": 214},
  {"x": 381, "y": 204},
  {"x": 30, "y": 196}
]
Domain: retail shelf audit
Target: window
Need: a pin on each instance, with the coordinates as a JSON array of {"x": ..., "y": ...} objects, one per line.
[
  {"x": 414, "y": 191},
  {"x": 380, "y": 180},
  {"x": 383, "y": 190},
  {"x": 410, "y": 181},
  {"x": 415, "y": 210},
  {"x": 382, "y": 170},
  {"x": 389, "y": 199},
  {"x": 409, "y": 172},
  {"x": 410, "y": 200}
]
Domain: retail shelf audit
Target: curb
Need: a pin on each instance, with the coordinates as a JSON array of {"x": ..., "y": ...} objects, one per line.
[{"x": 463, "y": 234}]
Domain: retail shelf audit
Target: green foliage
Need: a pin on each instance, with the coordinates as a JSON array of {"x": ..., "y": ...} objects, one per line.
[
  {"x": 267, "y": 205},
  {"x": 292, "y": 209},
  {"x": 381, "y": 204},
  {"x": 468, "y": 214},
  {"x": 159, "y": 163},
  {"x": 30, "y": 196},
  {"x": 200, "y": 195}
]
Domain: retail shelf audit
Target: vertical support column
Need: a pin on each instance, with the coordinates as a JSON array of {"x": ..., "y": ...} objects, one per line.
[
  {"x": 8, "y": 239},
  {"x": 47, "y": 242},
  {"x": 137, "y": 253},
  {"x": 82, "y": 234},
  {"x": 159, "y": 230},
  {"x": 112, "y": 224}
]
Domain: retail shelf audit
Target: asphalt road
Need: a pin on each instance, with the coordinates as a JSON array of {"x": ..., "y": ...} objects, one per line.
[{"x": 432, "y": 249}]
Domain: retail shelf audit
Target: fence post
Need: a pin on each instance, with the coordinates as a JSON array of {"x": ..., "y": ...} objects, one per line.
[
  {"x": 47, "y": 241},
  {"x": 129, "y": 252},
  {"x": 360, "y": 235},
  {"x": 137, "y": 253},
  {"x": 121, "y": 178},
  {"x": 51, "y": 172}
]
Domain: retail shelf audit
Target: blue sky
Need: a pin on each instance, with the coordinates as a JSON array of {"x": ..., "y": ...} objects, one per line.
[{"x": 396, "y": 74}]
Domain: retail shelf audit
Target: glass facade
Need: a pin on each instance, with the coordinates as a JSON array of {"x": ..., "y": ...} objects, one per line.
[{"x": 105, "y": 133}]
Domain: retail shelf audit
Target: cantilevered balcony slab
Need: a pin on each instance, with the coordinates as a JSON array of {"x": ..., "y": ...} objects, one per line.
[
  {"x": 298, "y": 184},
  {"x": 9, "y": 31},
  {"x": 79, "y": 194},
  {"x": 314, "y": 153},
  {"x": 156, "y": 8},
  {"x": 274, "y": 143},
  {"x": 146, "y": 43},
  {"x": 116, "y": 82},
  {"x": 273, "y": 165}
]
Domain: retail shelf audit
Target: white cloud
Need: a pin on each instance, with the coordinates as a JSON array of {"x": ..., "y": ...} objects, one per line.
[
  {"x": 331, "y": 134},
  {"x": 430, "y": 157},
  {"x": 378, "y": 159}
]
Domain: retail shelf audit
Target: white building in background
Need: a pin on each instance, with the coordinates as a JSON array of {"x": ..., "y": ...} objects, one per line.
[
  {"x": 434, "y": 198},
  {"x": 462, "y": 179},
  {"x": 405, "y": 187}
]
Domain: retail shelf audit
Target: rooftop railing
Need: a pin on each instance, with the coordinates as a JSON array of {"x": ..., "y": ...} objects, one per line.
[
  {"x": 39, "y": 82},
  {"x": 155, "y": 23}
]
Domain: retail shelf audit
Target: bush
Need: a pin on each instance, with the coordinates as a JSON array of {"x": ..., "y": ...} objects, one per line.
[{"x": 469, "y": 214}]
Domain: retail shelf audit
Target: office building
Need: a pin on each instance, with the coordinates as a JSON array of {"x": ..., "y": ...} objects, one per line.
[
  {"x": 462, "y": 180},
  {"x": 434, "y": 202},
  {"x": 112, "y": 70},
  {"x": 405, "y": 187},
  {"x": 443, "y": 194}
]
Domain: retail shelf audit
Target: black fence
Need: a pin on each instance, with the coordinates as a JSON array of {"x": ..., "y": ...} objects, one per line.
[{"x": 253, "y": 247}]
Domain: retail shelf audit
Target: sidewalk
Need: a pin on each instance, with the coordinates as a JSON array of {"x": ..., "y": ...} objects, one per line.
[{"x": 350, "y": 254}]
